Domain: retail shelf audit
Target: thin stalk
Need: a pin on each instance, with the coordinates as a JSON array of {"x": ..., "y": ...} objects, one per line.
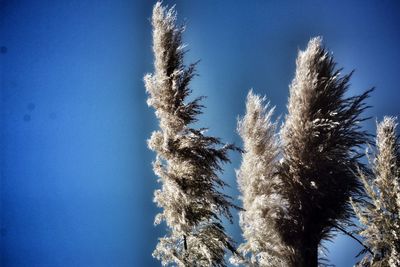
[{"x": 184, "y": 242}]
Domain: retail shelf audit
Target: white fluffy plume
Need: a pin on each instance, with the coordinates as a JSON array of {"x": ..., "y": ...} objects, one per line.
[
  {"x": 188, "y": 162},
  {"x": 379, "y": 214},
  {"x": 260, "y": 187}
]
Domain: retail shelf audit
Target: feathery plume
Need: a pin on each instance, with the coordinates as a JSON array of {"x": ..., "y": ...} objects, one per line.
[
  {"x": 320, "y": 137},
  {"x": 188, "y": 162},
  {"x": 260, "y": 187},
  {"x": 379, "y": 212}
]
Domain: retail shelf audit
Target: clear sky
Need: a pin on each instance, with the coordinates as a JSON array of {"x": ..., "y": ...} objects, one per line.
[{"x": 76, "y": 178}]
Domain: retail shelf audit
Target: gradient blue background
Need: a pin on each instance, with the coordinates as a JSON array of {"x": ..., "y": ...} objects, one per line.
[{"x": 76, "y": 178}]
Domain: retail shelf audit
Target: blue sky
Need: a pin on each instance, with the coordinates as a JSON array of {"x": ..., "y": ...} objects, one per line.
[{"x": 76, "y": 178}]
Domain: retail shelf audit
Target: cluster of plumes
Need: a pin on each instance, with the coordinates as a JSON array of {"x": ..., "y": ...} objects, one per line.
[
  {"x": 296, "y": 189},
  {"x": 291, "y": 205},
  {"x": 260, "y": 188},
  {"x": 321, "y": 137},
  {"x": 188, "y": 161},
  {"x": 379, "y": 213}
]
